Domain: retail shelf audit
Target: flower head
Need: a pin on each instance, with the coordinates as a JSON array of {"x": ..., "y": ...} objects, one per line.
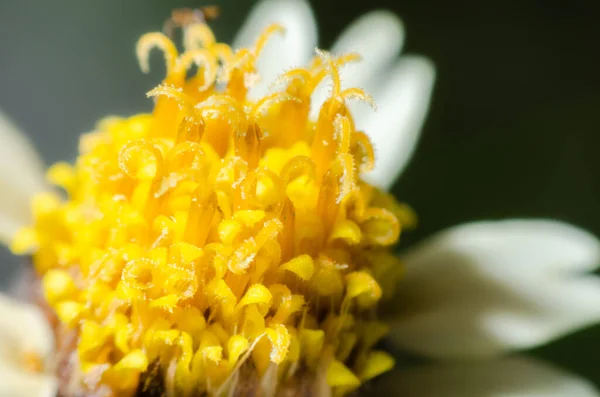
[
  {"x": 221, "y": 240},
  {"x": 227, "y": 243}
]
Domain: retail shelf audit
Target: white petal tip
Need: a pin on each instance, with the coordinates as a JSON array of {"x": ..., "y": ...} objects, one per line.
[
  {"x": 481, "y": 289},
  {"x": 376, "y": 26},
  {"x": 395, "y": 129}
]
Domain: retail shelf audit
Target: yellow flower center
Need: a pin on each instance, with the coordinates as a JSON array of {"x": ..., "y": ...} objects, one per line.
[{"x": 220, "y": 234}]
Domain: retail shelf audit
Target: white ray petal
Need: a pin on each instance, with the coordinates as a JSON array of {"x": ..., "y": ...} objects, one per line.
[
  {"x": 403, "y": 100},
  {"x": 23, "y": 330},
  {"x": 483, "y": 288},
  {"x": 378, "y": 37},
  {"x": 21, "y": 176},
  {"x": 508, "y": 377},
  {"x": 281, "y": 52},
  {"x": 23, "y": 384}
]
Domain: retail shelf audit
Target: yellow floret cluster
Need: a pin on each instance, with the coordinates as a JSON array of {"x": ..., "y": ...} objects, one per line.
[{"x": 219, "y": 235}]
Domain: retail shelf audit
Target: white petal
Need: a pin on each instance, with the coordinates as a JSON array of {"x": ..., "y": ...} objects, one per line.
[
  {"x": 23, "y": 329},
  {"x": 24, "y": 384},
  {"x": 508, "y": 377},
  {"x": 21, "y": 176},
  {"x": 378, "y": 37},
  {"x": 403, "y": 100},
  {"x": 281, "y": 52},
  {"x": 484, "y": 288}
]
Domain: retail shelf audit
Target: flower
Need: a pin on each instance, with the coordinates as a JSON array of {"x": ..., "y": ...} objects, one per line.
[
  {"x": 226, "y": 245},
  {"x": 226, "y": 240}
]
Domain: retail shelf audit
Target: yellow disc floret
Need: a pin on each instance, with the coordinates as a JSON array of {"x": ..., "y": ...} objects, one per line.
[{"x": 220, "y": 236}]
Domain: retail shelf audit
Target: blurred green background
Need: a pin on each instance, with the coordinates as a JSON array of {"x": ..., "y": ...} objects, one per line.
[{"x": 512, "y": 131}]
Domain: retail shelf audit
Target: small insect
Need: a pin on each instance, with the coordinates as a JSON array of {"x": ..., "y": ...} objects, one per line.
[{"x": 182, "y": 17}]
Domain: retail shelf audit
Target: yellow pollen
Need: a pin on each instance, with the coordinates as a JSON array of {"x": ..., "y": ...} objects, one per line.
[{"x": 220, "y": 233}]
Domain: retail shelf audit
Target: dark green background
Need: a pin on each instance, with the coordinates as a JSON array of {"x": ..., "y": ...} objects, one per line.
[{"x": 512, "y": 132}]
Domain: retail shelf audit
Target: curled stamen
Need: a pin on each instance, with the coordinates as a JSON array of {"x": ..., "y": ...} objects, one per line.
[
  {"x": 296, "y": 167},
  {"x": 333, "y": 72},
  {"x": 140, "y": 159},
  {"x": 156, "y": 40},
  {"x": 299, "y": 74},
  {"x": 243, "y": 58},
  {"x": 220, "y": 100},
  {"x": 186, "y": 155},
  {"x": 206, "y": 62},
  {"x": 380, "y": 226},
  {"x": 224, "y": 107},
  {"x": 137, "y": 274},
  {"x": 325, "y": 64},
  {"x": 266, "y": 35},
  {"x": 363, "y": 152},
  {"x": 262, "y": 107},
  {"x": 182, "y": 99},
  {"x": 347, "y": 58},
  {"x": 222, "y": 52},
  {"x": 359, "y": 95},
  {"x": 339, "y": 61}
]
